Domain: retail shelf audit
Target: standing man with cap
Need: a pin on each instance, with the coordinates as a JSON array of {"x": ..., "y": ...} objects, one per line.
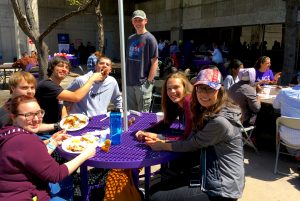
[{"x": 141, "y": 64}]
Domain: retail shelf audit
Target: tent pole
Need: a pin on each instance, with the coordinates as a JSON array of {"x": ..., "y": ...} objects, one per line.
[{"x": 123, "y": 70}]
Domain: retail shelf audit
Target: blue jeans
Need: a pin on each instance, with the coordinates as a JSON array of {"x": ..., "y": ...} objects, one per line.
[{"x": 63, "y": 190}]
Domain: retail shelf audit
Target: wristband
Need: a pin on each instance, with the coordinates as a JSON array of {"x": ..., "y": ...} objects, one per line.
[{"x": 51, "y": 145}]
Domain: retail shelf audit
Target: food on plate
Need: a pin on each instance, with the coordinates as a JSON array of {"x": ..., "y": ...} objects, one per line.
[
  {"x": 74, "y": 121},
  {"x": 76, "y": 145},
  {"x": 106, "y": 145},
  {"x": 79, "y": 144},
  {"x": 89, "y": 138}
]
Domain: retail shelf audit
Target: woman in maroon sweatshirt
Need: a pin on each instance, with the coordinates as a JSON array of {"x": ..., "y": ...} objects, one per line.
[{"x": 26, "y": 165}]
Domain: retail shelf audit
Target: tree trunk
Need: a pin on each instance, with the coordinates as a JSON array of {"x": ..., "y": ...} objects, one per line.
[
  {"x": 100, "y": 26},
  {"x": 290, "y": 41},
  {"x": 29, "y": 26},
  {"x": 42, "y": 51}
]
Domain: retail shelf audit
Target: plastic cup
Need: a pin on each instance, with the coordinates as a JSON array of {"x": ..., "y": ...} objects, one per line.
[{"x": 159, "y": 116}]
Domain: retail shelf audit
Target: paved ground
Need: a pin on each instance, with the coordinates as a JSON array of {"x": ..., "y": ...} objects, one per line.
[{"x": 261, "y": 183}]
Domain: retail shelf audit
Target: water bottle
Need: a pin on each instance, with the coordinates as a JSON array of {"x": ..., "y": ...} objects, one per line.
[{"x": 115, "y": 123}]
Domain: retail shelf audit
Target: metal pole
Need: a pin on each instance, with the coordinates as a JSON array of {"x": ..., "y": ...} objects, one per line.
[{"x": 123, "y": 70}]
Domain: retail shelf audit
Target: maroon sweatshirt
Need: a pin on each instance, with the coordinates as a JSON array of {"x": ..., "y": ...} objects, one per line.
[{"x": 26, "y": 167}]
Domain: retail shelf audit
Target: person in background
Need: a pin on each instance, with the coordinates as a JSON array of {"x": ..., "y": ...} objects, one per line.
[
  {"x": 217, "y": 59},
  {"x": 101, "y": 93},
  {"x": 141, "y": 64},
  {"x": 216, "y": 55},
  {"x": 174, "y": 50},
  {"x": 51, "y": 95},
  {"x": 24, "y": 61},
  {"x": 36, "y": 168},
  {"x": 288, "y": 101},
  {"x": 233, "y": 69},
  {"x": 21, "y": 83},
  {"x": 188, "y": 53},
  {"x": 160, "y": 46},
  {"x": 264, "y": 75},
  {"x": 217, "y": 133},
  {"x": 243, "y": 93},
  {"x": 34, "y": 55},
  {"x": 82, "y": 53},
  {"x": 92, "y": 60}
]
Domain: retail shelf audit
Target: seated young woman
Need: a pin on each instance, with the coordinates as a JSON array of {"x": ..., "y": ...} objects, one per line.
[
  {"x": 176, "y": 98},
  {"x": 216, "y": 131},
  {"x": 26, "y": 165}
]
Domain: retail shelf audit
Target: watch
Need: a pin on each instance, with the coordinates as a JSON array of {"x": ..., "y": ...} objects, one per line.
[{"x": 56, "y": 126}]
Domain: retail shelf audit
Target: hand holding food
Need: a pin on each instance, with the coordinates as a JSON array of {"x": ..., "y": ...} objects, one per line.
[
  {"x": 277, "y": 76},
  {"x": 97, "y": 77},
  {"x": 60, "y": 136},
  {"x": 104, "y": 71},
  {"x": 141, "y": 135},
  {"x": 155, "y": 143}
]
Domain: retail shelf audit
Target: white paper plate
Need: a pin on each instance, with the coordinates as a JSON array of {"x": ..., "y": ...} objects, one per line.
[
  {"x": 78, "y": 125},
  {"x": 68, "y": 141}
]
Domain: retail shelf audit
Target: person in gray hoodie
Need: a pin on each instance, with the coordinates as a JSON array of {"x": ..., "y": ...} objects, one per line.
[{"x": 217, "y": 135}]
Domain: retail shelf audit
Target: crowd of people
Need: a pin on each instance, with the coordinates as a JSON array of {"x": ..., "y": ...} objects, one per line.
[{"x": 212, "y": 111}]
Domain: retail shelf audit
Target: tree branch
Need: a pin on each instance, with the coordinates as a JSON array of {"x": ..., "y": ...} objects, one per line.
[
  {"x": 23, "y": 23},
  {"x": 65, "y": 17},
  {"x": 30, "y": 15}
]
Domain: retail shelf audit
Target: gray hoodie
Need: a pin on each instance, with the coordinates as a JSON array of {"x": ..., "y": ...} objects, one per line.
[{"x": 222, "y": 157}]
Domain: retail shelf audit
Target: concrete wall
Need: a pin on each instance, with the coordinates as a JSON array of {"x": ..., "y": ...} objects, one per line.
[
  {"x": 83, "y": 27},
  {"x": 7, "y": 32},
  {"x": 164, "y": 14},
  {"x": 80, "y": 28}
]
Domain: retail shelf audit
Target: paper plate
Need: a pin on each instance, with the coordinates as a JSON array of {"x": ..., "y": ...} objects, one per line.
[
  {"x": 74, "y": 122},
  {"x": 77, "y": 140}
]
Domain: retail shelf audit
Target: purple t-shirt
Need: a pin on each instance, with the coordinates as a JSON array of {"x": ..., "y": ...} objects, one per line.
[{"x": 268, "y": 75}]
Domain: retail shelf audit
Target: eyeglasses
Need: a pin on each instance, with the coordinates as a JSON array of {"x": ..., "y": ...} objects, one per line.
[
  {"x": 205, "y": 89},
  {"x": 29, "y": 116}
]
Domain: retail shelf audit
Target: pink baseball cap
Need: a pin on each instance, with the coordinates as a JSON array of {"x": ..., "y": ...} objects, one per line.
[{"x": 210, "y": 77}]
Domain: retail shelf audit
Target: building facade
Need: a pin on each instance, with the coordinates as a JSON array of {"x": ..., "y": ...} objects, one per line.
[{"x": 227, "y": 21}]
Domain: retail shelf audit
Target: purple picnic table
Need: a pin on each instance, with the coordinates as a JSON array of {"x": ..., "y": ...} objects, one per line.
[{"x": 130, "y": 154}]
